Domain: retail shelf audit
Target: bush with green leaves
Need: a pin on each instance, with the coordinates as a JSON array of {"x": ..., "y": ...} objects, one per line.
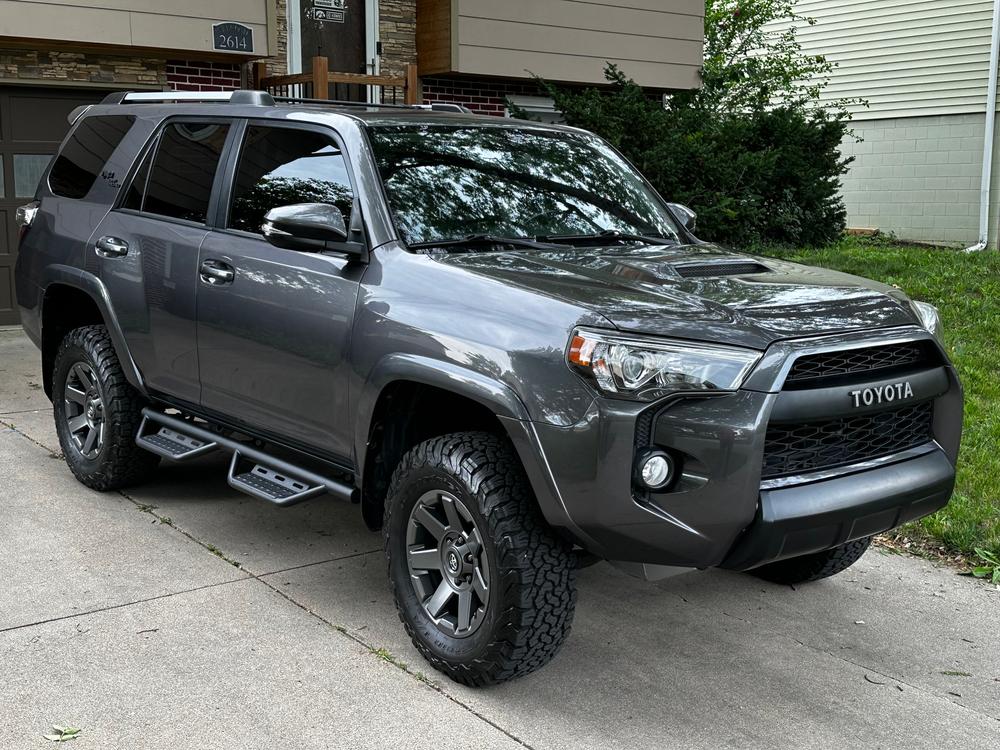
[{"x": 751, "y": 150}]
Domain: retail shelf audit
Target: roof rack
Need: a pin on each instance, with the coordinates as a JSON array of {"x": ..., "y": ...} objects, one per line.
[
  {"x": 158, "y": 97},
  {"x": 261, "y": 98},
  {"x": 435, "y": 107}
]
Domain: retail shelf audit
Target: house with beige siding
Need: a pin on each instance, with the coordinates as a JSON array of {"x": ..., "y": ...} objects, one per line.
[
  {"x": 923, "y": 67},
  {"x": 58, "y": 54}
]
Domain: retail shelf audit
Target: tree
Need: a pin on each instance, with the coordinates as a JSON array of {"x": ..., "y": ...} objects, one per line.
[{"x": 753, "y": 151}]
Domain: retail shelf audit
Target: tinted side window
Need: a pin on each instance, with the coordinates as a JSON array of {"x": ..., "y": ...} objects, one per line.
[
  {"x": 180, "y": 182},
  {"x": 284, "y": 166},
  {"x": 85, "y": 154}
]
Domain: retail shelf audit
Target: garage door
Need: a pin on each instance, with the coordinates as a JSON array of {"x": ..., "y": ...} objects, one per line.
[{"x": 32, "y": 124}]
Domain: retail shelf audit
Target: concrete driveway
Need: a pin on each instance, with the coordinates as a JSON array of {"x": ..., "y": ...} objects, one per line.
[{"x": 184, "y": 615}]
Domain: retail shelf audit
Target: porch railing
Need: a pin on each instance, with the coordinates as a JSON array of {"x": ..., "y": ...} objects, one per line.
[{"x": 320, "y": 83}]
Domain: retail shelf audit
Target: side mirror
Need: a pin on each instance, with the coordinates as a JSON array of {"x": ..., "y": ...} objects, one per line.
[
  {"x": 310, "y": 227},
  {"x": 683, "y": 214}
]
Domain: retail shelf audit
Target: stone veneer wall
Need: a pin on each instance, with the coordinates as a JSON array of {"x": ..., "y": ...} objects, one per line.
[
  {"x": 398, "y": 32},
  {"x": 57, "y": 66}
]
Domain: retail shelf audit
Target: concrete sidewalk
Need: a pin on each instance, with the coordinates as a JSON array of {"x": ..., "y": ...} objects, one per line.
[{"x": 184, "y": 615}]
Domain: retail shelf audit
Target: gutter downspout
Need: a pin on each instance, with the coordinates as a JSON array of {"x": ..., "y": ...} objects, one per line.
[{"x": 991, "y": 113}]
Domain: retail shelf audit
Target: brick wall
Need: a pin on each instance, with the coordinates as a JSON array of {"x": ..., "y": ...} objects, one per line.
[
  {"x": 54, "y": 67},
  {"x": 482, "y": 96},
  {"x": 188, "y": 75},
  {"x": 918, "y": 177}
]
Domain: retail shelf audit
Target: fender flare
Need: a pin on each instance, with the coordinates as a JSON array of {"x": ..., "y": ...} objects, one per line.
[
  {"x": 448, "y": 376},
  {"x": 94, "y": 288},
  {"x": 500, "y": 398}
]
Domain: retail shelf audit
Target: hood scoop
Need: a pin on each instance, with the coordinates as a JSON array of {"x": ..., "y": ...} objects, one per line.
[{"x": 724, "y": 268}]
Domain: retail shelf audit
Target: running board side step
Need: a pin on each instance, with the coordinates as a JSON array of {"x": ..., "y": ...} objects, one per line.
[
  {"x": 252, "y": 471},
  {"x": 170, "y": 443}
]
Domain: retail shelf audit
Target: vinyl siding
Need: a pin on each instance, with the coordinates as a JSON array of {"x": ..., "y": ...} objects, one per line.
[
  {"x": 656, "y": 42},
  {"x": 908, "y": 59},
  {"x": 177, "y": 25}
]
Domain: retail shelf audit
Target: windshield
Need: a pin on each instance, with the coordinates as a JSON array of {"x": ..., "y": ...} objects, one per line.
[{"x": 447, "y": 183}]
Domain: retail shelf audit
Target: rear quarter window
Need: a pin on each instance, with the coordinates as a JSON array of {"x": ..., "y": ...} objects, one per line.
[{"x": 86, "y": 152}]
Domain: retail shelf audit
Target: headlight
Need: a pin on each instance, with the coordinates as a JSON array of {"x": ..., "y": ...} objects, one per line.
[
  {"x": 928, "y": 316},
  {"x": 648, "y": 368}
]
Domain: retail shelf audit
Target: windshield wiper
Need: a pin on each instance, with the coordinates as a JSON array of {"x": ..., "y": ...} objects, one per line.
[
  {"x": 612, "y": 235},
  {"x": 484, "y": 239}
]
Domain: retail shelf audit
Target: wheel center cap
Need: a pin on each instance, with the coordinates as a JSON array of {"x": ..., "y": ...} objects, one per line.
[{"x": 453, "y": 563}]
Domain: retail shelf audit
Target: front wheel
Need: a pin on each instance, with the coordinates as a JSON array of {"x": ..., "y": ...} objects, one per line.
[
  {"x": 815, "y": 566},
  {"x": 484, "y": 587}
]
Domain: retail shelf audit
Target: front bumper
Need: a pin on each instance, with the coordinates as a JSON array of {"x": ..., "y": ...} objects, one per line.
[{"x": 720, "y": 513}]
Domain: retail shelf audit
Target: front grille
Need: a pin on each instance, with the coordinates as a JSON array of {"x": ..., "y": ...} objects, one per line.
[
  {"x": 800, "y": 448},
  {"x": 705, "y": 270},
  {"x": 852, "y": 361}
]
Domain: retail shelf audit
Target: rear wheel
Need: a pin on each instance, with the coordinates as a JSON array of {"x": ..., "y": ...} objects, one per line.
[
  {"x": 815, "y": 566},
  {"x": 484, "y": 587},
  {"x": 97, "y": 413}
]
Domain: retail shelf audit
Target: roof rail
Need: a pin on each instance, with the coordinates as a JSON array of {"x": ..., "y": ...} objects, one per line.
[
  {"x": 158, "y": 97},
  {"x": 435, "y": 107}
]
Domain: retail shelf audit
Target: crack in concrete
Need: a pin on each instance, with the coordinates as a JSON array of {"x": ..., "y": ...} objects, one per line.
[
  {"x": 912, "y": 686},
  {"x": 342, "y": 630},
  {"x": 12, "y": 427},
  {"x": 112, "y": 607},
  {"x": 403, "y": 667}
]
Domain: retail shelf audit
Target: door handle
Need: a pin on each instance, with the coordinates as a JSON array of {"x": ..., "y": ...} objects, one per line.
[
  {"x": 217, "y": 273},
  {"x": 111, "y": 247}
]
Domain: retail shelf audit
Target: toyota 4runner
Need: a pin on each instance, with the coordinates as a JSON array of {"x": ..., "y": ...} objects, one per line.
[{"x": 492, "y": 335}]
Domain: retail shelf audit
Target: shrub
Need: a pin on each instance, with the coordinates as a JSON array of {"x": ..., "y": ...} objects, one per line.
[{"x": 751, "y": 150}]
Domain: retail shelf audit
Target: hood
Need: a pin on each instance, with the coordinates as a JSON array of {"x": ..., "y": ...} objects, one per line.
[{"x": 698, "y": 291}]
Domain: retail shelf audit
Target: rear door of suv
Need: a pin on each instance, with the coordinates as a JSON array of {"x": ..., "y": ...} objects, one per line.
[
  {"x": 274, "y": 324},
  {"x": 147, "y": 249}
]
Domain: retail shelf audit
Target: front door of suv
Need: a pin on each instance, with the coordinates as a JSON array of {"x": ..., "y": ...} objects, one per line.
[{"x": 273, "y": 324}]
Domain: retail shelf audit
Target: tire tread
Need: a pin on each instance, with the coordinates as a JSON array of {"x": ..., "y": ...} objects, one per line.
[{"x": 537, "y": 569}]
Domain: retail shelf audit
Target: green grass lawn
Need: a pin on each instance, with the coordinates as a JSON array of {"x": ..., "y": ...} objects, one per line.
[{"x": 966, "y": 288}]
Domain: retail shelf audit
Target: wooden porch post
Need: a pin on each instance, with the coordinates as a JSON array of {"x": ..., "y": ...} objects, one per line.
[
  {"x": 258, "y": 73},
  {"x": 321, "y": 78},
  {"x": 413, "y": 93}
]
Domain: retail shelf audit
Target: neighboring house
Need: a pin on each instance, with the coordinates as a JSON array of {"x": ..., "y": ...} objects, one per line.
[
  {"x": 57, "y": 54},
  {"x": 923, "y": 66}
]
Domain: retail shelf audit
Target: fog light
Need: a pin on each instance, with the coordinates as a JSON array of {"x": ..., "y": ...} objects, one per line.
[{"x": 656, "y": 470}]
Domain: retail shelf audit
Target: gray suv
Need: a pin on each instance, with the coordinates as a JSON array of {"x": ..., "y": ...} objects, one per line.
[{"x": 491, "y": 335}]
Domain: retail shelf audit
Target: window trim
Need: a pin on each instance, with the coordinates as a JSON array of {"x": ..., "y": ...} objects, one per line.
[
  {"x": 226, "y": 191},
  {"x": 153, "y": 145}
]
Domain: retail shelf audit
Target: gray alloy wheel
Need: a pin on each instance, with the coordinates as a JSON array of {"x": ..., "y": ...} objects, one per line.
[
  {"x": 447, "y": 562},
  {"x": 84, "y": 404},
  {"x": 97, "y": 413}
]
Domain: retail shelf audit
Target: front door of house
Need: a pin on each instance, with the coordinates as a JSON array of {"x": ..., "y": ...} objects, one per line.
[{"x": 336, "y": 30}]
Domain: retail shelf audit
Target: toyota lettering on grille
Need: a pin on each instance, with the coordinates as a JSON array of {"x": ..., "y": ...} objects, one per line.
[{"x": 882, "y": 394}]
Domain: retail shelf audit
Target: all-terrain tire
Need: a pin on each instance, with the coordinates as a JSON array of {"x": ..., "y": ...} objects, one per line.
[
  {"x": 815, "y": 566},
  {"x": 532, "y": 571},
  {"x": 120, "y": 462}
]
